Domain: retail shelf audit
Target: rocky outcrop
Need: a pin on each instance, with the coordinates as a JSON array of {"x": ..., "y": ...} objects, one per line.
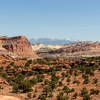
[
  {"x": 18, "y": 46},
  {"x": 80, "y": 49}
]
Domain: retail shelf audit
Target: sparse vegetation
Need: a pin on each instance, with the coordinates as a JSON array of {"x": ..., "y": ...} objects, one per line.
[{"x": 50, "y": 78}]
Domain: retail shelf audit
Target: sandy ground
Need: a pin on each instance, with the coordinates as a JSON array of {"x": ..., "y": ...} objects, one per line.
[{"x": 8, "y": 98}]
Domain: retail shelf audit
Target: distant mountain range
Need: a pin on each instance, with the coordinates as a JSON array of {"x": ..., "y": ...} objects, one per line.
[{"x": 49, "y": 41}]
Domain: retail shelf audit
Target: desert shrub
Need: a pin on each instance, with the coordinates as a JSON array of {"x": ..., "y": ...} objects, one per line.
[
  {"x": 1, "y": 87},
  {"x": 30, "y": 73},
  {"x": 12, "y": 63},
  {"x": 84, "y": 94},
  {"x": 15, "y": 88},
  {"x": 29, "y": 95},
  {"x": 67, "y": 97},
  {"x": 66, "y": 74},
  {"x": 76, "y": 82},
  {"x": 75, "y": 95},
  {"x": 25, "y": 86},
  {"x": 47, "y": 90},
  {"x": 42, "y": 97},
  {"x": 50, "y": 94},
  {"x": 93, "y": 91},
  {"x": 86, "y": 97},
  {"x": 71, "y": 71},
  {"x": 84, "y": 91},
  {"x": 95, "y": 81},
  {"x": 68, "y": 80},
  {"x": 51, "y": 69},
  {"x": 63, "y": 75},
  {"x": 76, "y": 73},
  {"x": 40, "y": 78},
  {"x": 67, "y": 90},
  {"x": 61, "y": 96},
  {"x": 20, "y": 84},
  {"x": 34, "y": 95},
  {"x": 28, "y": 63},
  {"x": 58, "y": 69},
  {"x": 85, "y": 76},
  {"x": 41, "y": 61},
  {"x": 33, "y": 81},
  {"x": 1, "y": 70},
  {"x": 4, "y": 75},
  {"x": 72, "y": 90},
  {"x": 60, "y": 83},
  {"x": 89, "y": 71},
  {"x": 86, "y": 81},
  {"x": 46, "y": 82},
  {"x": 55, "y": 78},
  {"x": 53, "y": 84},
  {"x": 8, "y": 67}
]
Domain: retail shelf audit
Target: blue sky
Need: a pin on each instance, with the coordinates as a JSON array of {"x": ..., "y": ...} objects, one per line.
[{"x": 74, "y": 19}]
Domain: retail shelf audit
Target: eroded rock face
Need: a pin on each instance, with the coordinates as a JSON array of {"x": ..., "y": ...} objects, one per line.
[{"x": 18, "y": 46}]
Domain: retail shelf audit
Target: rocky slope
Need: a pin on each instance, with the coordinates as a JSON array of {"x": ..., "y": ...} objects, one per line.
[{"x": 17, "y": 46}]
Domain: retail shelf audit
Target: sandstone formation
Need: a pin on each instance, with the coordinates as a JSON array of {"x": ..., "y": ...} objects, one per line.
[
  {"x": 17, "y": 46},
  {"x": 80, "y": 49}
]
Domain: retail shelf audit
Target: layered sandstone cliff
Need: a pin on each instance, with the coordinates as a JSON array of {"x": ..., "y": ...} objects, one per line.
[
  {"x": 18, "y": 46},
  {"x": 80, "y": 49}
]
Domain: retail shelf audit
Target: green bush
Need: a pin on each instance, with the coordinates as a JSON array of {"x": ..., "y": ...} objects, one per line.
[
  {"x": 25, "y": 86},
  {"x": 93, "y": 91},
  {"x": 84, "y": 91},
  {"x": 33, "y": 81},
  {"x": 86, "y": 81},
  {"x": 47, "y": 90},
  {"x": 95, "y": 81},
  {"x": 84, "y": 94},
  {"x": 42, "y": 97},
  {"x": 86, "y": 97},
  {"x": 40, "y": 78},
  {"x": 61, "y": 96},
  {"x": 76, "y": 82},
  {"x": 75, "y": 95}
]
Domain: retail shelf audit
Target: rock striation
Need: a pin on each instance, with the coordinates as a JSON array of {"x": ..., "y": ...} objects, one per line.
[
  {"x": 18, "y": 46},
  {"x": 80, "y": 49}
]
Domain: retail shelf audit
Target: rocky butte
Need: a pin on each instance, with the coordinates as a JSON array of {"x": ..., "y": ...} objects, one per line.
[{"x": 17, "y": 46}]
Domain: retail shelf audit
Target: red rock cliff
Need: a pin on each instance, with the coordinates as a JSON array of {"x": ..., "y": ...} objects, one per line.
[{"x": 19, "y": 46}]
